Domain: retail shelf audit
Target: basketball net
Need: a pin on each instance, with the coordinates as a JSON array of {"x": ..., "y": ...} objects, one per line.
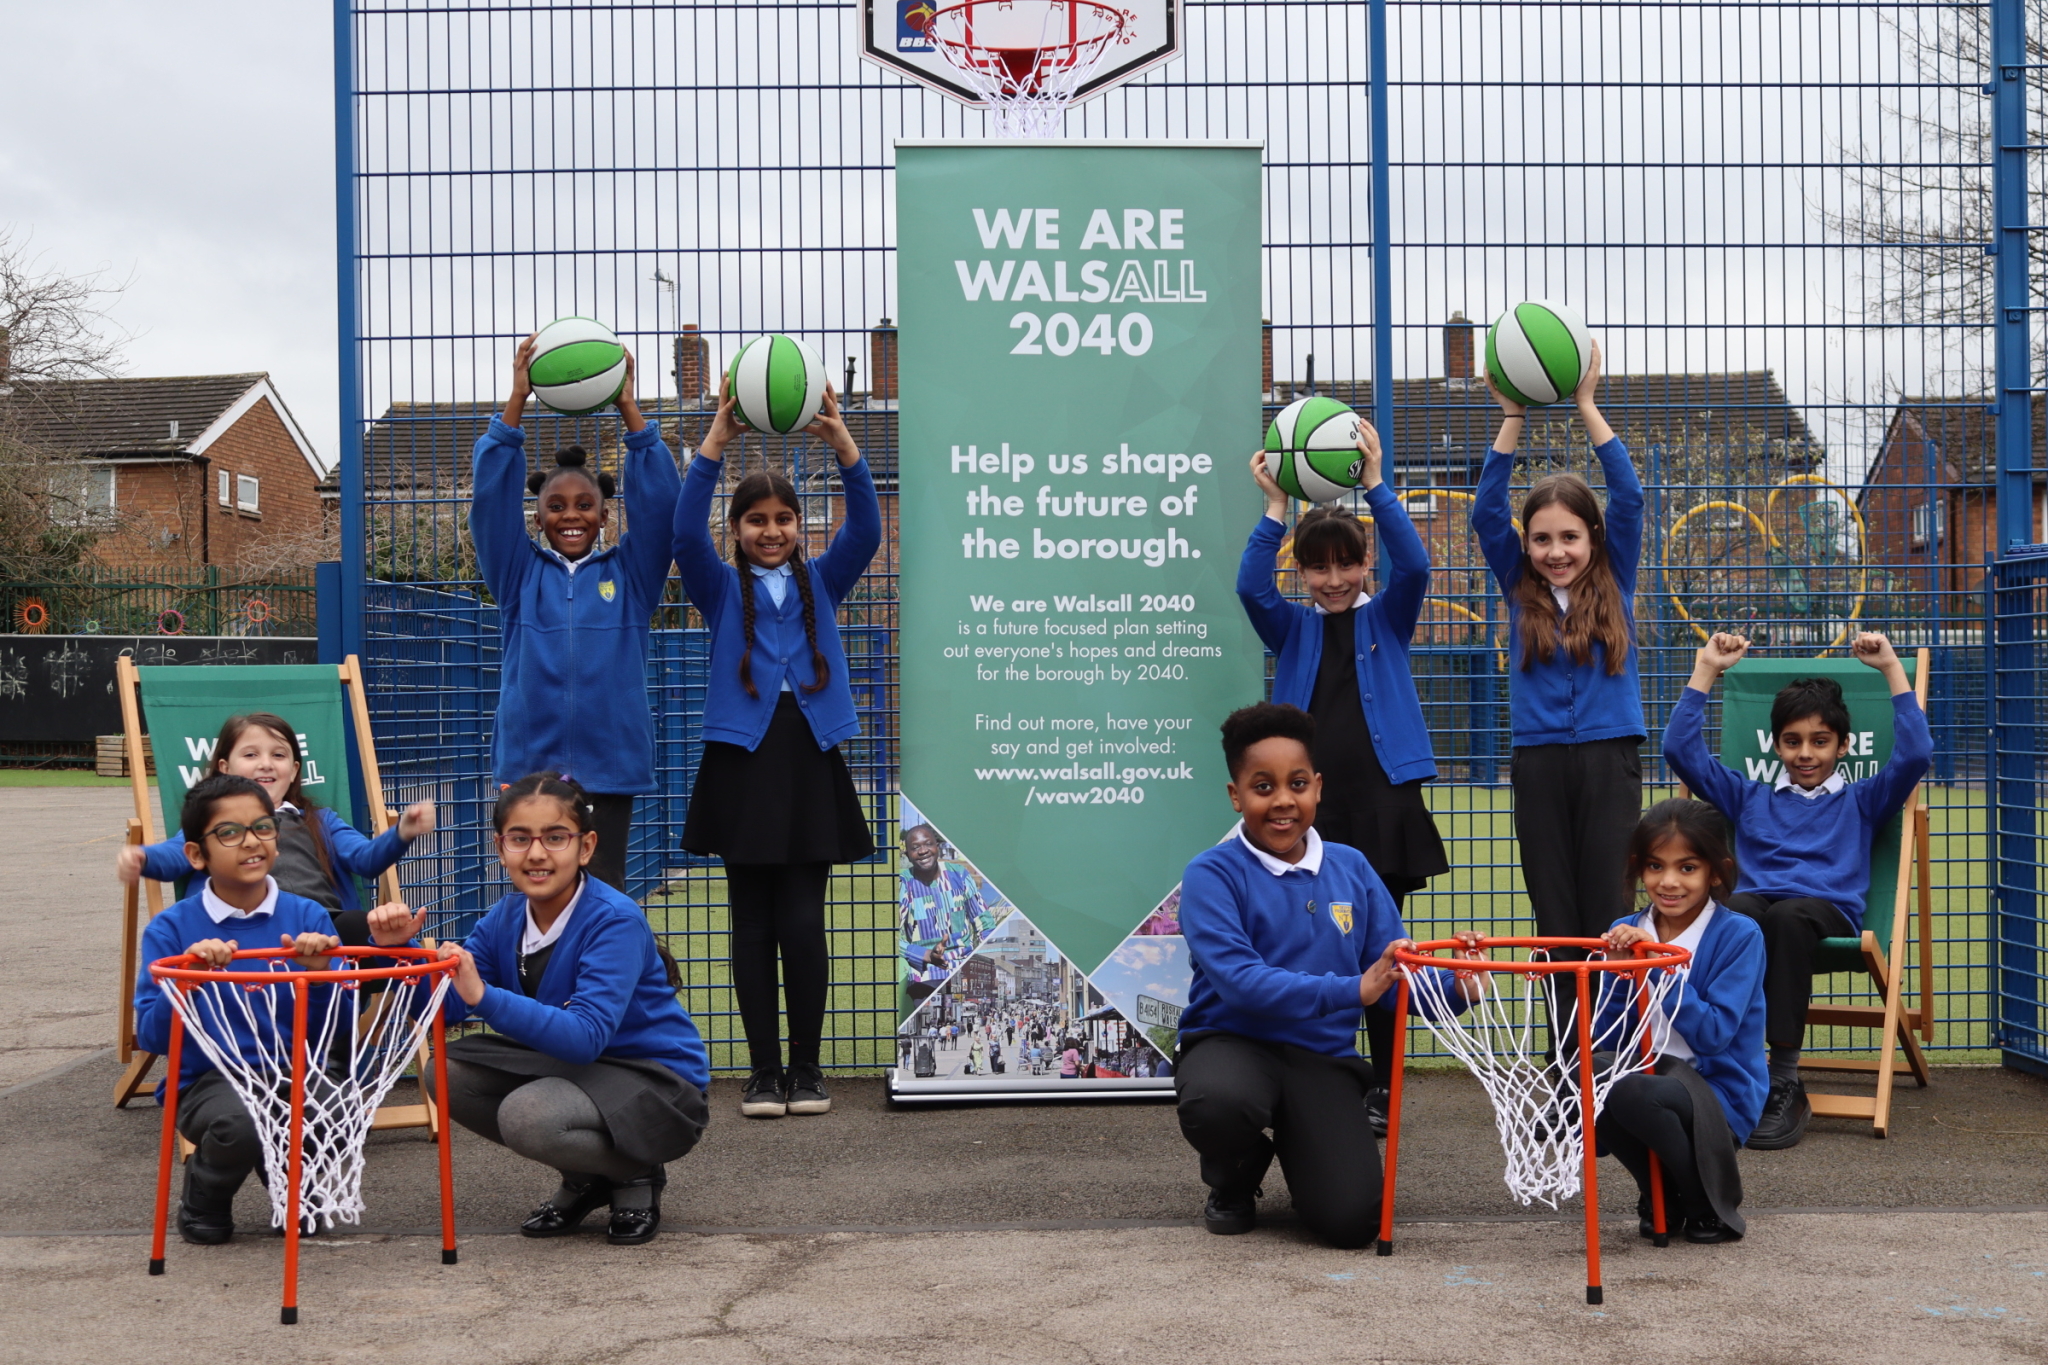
[
  {"x": 355, "y": 1053},
  {"x": 1027, "y": 59},
  {"x": 1537, "y": 1104}
]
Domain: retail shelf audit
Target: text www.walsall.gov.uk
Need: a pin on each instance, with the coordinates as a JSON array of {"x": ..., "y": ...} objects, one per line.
[{"x": 1125, "y": 792}]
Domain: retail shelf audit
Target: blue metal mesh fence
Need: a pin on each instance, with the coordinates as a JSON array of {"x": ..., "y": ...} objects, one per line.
[{"x": 1774, "y": 215}]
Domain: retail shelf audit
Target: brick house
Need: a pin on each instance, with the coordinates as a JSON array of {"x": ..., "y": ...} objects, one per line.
[
  {"x": 1930, "y": 498},
  {"x": 180, "y": 474}
]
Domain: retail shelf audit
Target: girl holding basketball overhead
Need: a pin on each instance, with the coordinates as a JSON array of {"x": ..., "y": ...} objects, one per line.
[
  {"x": 575, "y": 611},
  {"x": 774, "y": 799},
  {"x": 1708, "y": 1088},
  {"x": 1569, "y": 579},
  {"x": 319, "y": 854},
  {"x": 1344, "y": 659}
]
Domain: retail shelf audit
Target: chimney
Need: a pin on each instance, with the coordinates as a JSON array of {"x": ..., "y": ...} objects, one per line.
[
  {"x": 1266, "y": 357},
  {"x": 693, "y": 368},
  {"x": 1458, "y": 347},
  {"x": 882, "y": 362}
]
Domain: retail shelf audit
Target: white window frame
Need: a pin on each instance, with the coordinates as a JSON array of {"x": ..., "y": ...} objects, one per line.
[
  {"x": 224, "y": 484},
  {"x": 1930, "y": 522},
  {"x": 84, "y": 504},
  {"x": 248, "y": 493}
]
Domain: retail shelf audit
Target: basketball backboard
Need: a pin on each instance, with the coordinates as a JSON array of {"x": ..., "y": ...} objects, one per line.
[{"x": 893, "y": 35}]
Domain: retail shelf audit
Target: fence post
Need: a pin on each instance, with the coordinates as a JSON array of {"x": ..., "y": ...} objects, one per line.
[
  {"x": 2016, "y": 872},
  {"x": 1382, "y": 234},
  {"x": 354, "y": 530}
]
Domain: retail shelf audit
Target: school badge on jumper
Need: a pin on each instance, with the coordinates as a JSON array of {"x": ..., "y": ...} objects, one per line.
[
  {"x": 607, "y": 590},
  {"x": 1340, "y": 914}
]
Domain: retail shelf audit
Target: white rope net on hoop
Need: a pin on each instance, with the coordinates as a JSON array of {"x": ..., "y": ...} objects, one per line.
[
  {"x": 1537, "y": 1105},
  {"x": 359, "y": 1043},
  {"x": 1027, "y": 59}
]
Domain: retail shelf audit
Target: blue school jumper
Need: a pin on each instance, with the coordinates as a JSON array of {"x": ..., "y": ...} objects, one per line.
[
  {"x": 1789, "y": 845},
  {"x": 186, "y": 923},
  {"x": 1564, "y": 702},
  {"x": 604, "y": 993},
  {"x": 1278, "y": 958},
  {"x": 1385, "y": 624},
  {"x": 572, "y": 688},
  {"x": 352, "y": 853},
  {"x": 781, "y": 652},
  {"x": 1721, "y": 1015}
]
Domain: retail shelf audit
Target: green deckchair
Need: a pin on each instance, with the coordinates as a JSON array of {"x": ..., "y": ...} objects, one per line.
[
  {"x": 1897, "y": 851},
  {"x": 186, "y": 706}
]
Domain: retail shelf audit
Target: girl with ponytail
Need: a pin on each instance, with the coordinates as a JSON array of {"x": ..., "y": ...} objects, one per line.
[
  {"x": 774, "y": 799},
  {"x": 575, "y": 610}
]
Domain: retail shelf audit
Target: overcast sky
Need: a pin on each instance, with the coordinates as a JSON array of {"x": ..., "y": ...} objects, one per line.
[{"x": 186, "y": 148}]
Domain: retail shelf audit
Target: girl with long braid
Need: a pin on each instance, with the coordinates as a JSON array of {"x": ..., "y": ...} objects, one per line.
[{"x": 774, "y": 799}]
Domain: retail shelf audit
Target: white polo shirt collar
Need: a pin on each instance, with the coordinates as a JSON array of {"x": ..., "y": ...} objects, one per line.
[
  {"x": 1834, "y": 784},
  {"x": 220, "y": 912},
  {"x": 533, "y": 940},
  {"x": 1311, "y": 860}
]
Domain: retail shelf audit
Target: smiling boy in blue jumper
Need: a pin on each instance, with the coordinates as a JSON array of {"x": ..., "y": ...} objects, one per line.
[
  {"x": 1803, "y": 840},
  {"x": 1292, "y": 938}
]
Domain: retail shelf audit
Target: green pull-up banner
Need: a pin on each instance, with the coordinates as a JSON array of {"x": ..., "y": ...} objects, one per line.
[
  {"x": 1079, "y": 378},
  {"x": 186, "y": 707}
]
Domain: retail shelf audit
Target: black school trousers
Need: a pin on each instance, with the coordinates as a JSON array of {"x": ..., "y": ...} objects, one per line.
[
  {"x": 1575, "y": 807},
  {"x": 1232, "y": 1089},
  {"x": 1646, "y": 1114},
  {"x": 611, "y": 815},
  {"x": 778, "y": 910},
  {"x": 1793, "y": 928}
]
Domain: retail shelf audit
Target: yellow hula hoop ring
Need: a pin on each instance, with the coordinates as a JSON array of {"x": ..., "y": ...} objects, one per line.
[
  {"x": 1862, "y": 544},
  {"x": 1718, "y": 505}
]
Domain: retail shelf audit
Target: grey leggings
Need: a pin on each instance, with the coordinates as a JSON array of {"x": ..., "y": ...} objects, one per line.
[{"x": 545, "y": 1119}]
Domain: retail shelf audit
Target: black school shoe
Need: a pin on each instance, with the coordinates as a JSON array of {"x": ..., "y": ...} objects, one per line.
[
  {"x": 631, "y": 1227},
  {"x": 763, "y": 1098},
  {"x": 1707, "y": 1229},
  {"x": 203, "y": 1220},
  {"x": 803, "y": 1089},
  {"x": 554, "y": 1219},
  {"x": 1786, "y": 1114},
  {"x": 1229, "y": 1213},
  {"x": 1376, "y": 1101}
]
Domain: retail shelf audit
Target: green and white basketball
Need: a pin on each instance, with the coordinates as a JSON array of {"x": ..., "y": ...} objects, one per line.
[
  {"x": 778, "y": 384},
  {"x": 578, "y": 366},
  {"x": 1312, "y": 449},
  {"x": 1538, "y": 352}
]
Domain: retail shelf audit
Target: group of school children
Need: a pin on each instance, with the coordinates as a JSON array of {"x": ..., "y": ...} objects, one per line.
[{"x": 593, "y": 1068}]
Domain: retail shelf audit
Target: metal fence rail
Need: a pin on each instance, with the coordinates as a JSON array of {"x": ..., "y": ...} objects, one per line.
[
  {"x": 135, "y": 600},
  {"x": 1771, "y": 213}
]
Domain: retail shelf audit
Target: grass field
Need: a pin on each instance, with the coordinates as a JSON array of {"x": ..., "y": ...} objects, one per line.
[
  {"x": 1483, "y": 890},
  {"x": 58, "y": 777}
]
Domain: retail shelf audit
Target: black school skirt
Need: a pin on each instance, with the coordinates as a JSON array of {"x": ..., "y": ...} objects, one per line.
[{"x": 788, "y": 801}]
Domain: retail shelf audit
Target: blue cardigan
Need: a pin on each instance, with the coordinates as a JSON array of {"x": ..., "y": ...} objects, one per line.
[
  {"x": 780, "y": 649},
  {"x": 572, "y": 685},
  {"x": 1789, "y": 845},
  {"x": 1563, "y": 702},
  {"x": 180, "y": 926},
  {"x": 1385, "y": 624},
  {"x": 605, "y": 992},
  {"x": 352, "y": 853},
  {"x": 1721, "y": 1014},
  {"x": 1266, "y": 965}
]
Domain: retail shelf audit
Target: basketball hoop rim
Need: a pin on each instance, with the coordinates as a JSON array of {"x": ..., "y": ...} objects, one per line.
[
  {"x": 423, "y": 963},
  {"x": 1644, "y": 956}
]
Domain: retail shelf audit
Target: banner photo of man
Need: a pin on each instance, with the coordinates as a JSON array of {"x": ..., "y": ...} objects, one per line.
[{"x": 945, "y": 907}]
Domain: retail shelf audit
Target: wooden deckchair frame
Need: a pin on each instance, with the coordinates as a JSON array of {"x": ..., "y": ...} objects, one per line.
[
  {"x": 1896, "y": 1022},
  {"x": 141, "y": 827}
]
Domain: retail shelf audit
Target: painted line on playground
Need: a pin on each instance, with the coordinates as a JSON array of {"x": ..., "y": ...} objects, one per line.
[{"x": 1092, "y": 1224}]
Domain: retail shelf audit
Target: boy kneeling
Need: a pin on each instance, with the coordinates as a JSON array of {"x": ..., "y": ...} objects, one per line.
[
  {"x": 1291, "y": 939},
  {"x": 230, "y": 832},
  {"x": 1803, "y": 841}
]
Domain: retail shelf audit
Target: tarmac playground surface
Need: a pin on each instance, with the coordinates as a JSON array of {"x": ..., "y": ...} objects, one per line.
[{"x": 996, "y": 1233}]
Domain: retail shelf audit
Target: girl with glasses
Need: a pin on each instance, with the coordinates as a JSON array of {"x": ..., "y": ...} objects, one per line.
[{"x": 591, "y": 1066}]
